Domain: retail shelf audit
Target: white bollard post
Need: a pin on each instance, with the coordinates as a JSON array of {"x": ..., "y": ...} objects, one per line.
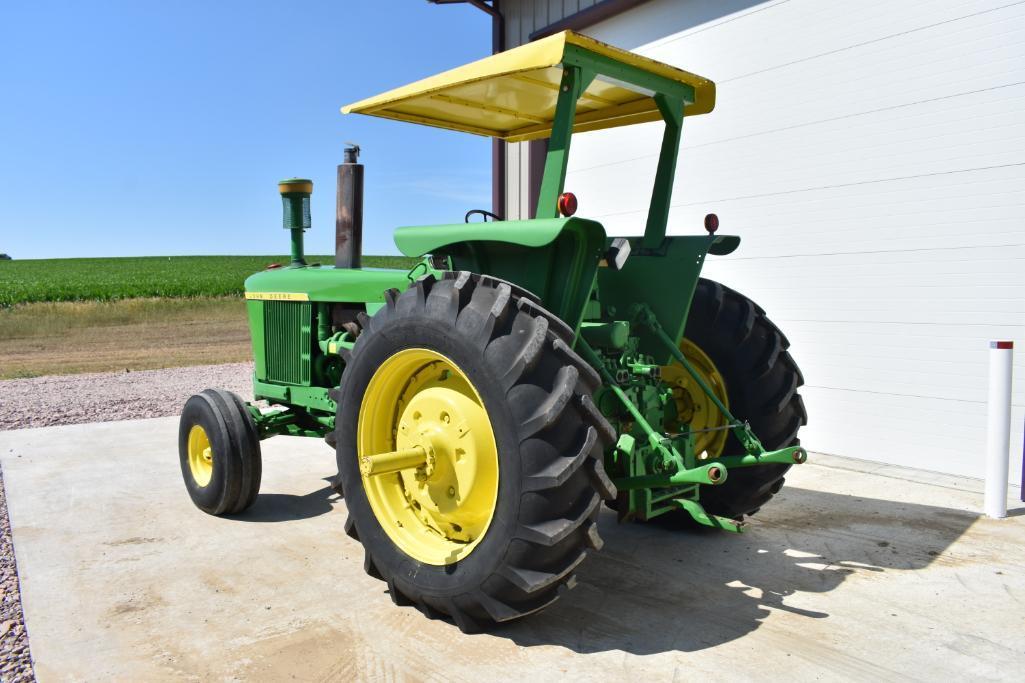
[{"x": 998, "y": 428}]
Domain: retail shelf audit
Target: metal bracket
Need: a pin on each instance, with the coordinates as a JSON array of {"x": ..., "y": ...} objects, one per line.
[
  {"x": 792, "y": 455},
  {"x": 701, "y": 516},
  {"x": 644, "y": 316}
]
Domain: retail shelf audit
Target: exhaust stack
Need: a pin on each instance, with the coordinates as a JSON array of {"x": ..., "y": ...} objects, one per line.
[{"x": 349, "y": 211}]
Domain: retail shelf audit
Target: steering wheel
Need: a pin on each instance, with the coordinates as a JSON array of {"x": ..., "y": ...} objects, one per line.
[{"x": 482, "y": 212}]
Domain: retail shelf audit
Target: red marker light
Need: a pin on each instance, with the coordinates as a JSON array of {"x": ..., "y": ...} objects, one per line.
[
  {"x": 711, "y": 223},
  {"x": 567, "y": 203}
]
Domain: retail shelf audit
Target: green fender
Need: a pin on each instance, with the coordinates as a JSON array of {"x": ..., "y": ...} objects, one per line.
[
  {"x": 555, "y": 258},
  {"x": 417, "y": 240}
]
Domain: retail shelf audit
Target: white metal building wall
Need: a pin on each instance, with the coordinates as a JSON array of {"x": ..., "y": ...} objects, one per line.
[{"x": 871, "y": 154}]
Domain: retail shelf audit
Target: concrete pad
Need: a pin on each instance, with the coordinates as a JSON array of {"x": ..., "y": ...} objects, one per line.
[{"x": 849, "y": 573}]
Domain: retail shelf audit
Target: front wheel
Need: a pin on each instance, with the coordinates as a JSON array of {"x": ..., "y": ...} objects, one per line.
[
  {"x": 469, "y": 451},
  {"x": 219, "y": 452}
]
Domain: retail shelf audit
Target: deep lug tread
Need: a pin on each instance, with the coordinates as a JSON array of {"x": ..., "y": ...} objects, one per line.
[
  {"x": 600, "y": 479},
  {"x": 801, "y": 410},
  {"x": 370, "y": 567},
  {"x": 533, "y": 581},
  {"x": 762, "y": 380},
  {"x": 557, "y": 325},
  {"x": 498, "y": 610},
  {"x": 768, "y": 362},
  {"x": 443, "y": 302},
  {"x": 588, "y": 375},
  {"x": 397, "y": 596},
  {"x": 463, "y": 621},
  {"x": 747, "y": 322},
  {"x": 789, "y": 432},
  {"x": 501, "y": 612},
  {"x": 718, "y": 297},
  {"x": 528, "y": 350},
  {"x": 517, "y": 291},
  {"x": 792, "y": 367},
  {"x": 559, "y": 471},
  {"x": 530, "y": 334},
  {"x": 782, "y": 399},
  {"x": 429, "y": 611},
  {"x": 594, "y": 539},
  {"x": 548, "y": 412},
  {"x": 594, "y": 418},
  {"x": 554, "y": 531},
  {"x": 350, "y": 528}
]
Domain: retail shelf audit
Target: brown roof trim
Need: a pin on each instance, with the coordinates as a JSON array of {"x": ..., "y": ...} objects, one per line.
[{"x": 599, "y": 11}]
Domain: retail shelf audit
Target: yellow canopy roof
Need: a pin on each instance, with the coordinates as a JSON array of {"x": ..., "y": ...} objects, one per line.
[{"x": 512, "y": 95}]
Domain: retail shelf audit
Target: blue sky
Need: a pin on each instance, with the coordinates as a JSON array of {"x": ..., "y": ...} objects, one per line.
[{"x": 160, "y": 128}]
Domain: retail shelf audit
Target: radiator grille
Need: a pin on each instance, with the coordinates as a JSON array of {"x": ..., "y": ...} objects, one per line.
[{"x": 287, "y": 334}]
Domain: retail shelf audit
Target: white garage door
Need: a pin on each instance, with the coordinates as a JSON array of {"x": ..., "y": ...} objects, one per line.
[{"x": 871, "y": 154}]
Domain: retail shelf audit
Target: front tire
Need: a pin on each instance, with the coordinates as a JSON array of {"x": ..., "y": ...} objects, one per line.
[
  {"x": 548, "y": 437},
  {"x": 219, "y": 452}
]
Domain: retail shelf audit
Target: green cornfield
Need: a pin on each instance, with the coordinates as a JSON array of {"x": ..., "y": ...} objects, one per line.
[{"x": 105, "y": 279}]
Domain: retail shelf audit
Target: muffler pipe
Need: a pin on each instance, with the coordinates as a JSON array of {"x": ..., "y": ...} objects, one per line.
[{"x": 349, "y": 211}]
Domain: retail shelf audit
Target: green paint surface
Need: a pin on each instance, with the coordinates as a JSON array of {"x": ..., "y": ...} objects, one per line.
[
  {"x": 416, "y": 240},
  {"x": 330, "y": 284}
]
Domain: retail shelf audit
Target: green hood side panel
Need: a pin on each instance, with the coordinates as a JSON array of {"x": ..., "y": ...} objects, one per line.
[
  {"x": 305, "y": 287},
  {"x": 342, "y": 285},
  {"x": 417, "y": 240}
]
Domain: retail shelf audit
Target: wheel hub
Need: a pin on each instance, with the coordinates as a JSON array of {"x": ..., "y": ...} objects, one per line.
[
  {"x": 201, "y": 456},
  {"x": 438, "y": 510},
  {"x": 693, "y": 406}
]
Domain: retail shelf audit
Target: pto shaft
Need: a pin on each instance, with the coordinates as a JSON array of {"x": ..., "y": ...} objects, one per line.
[{"x": 395, "y": 461}]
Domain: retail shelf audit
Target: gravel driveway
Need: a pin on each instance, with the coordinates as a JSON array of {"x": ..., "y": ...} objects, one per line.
[
  {"x": 106, "y": 396},
  {"x": 72, "y": 399}
]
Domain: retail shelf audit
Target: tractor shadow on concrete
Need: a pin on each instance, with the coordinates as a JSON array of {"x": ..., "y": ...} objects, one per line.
[
  {"x": 284, "y": 507},
  {"x": 655, "y": 589}
]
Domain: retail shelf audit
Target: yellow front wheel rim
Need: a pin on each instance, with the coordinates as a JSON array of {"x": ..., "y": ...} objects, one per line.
[
  {"x": 693, "y": 407},
  {"x": 439, "y": 507},
  {"x": 201, "y": 456}
]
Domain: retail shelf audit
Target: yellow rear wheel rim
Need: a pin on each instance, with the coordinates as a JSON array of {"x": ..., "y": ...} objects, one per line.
[
  {"x": 693, "y": 407},
  {"x": 438, "y": 512},
  {"x": 201, "y": 456}
]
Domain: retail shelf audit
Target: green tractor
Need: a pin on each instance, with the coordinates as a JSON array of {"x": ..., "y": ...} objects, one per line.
[{"x": 483, "y": 404}]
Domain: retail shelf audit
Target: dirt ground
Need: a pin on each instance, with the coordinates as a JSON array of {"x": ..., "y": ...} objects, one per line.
[{"x": 62, "y": 338}]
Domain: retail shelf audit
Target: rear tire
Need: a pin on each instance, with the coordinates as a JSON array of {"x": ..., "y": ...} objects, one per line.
[
  {"x": 219, "y": 452},
  {"x": 549, "y": 437},
  {"x": 761, "y": 380}
]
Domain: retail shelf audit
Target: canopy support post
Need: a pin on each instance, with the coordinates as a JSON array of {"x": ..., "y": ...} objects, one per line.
[
  {"x": 574, "y": 81},
  {"x": 658, "y": 210}
]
